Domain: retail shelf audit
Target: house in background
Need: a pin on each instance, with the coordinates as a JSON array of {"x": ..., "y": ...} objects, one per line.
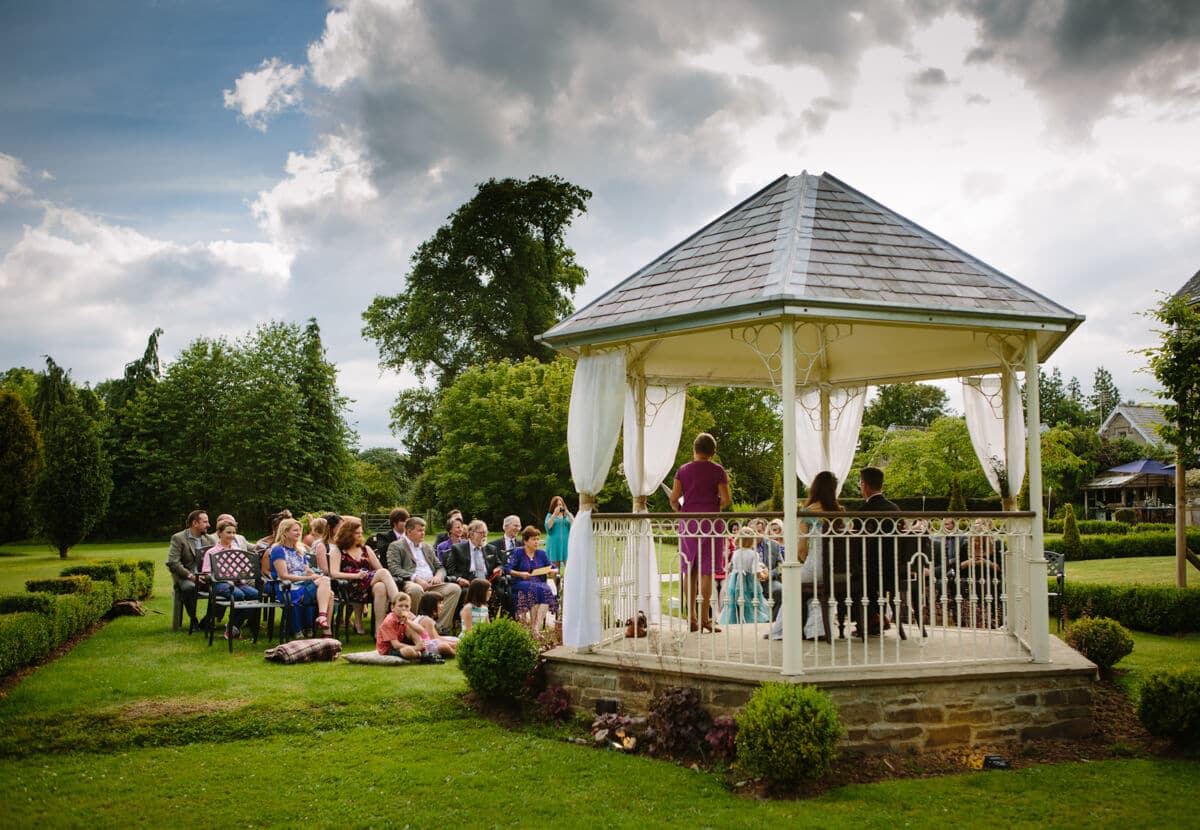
[
  {"x": 1137, "y": 422},
  {"x": 1191, "y": 290}
]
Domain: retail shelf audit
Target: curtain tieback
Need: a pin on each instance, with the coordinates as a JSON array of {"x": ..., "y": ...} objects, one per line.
[{"x": 587, "y": 501}]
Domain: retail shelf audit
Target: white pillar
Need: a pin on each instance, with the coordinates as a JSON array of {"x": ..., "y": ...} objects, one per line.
[
  {"x": 1039, "y": 607},
  {"x": 793, "y": 609}
]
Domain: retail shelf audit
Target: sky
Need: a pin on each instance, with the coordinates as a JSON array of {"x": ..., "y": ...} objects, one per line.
[{"x": 204, "y": 166}]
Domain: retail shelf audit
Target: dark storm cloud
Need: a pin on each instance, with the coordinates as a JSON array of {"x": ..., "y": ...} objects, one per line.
[{"x": 1081, "y": 54}]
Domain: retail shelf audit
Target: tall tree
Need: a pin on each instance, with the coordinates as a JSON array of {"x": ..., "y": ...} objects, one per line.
[
  {"x": 23, "y": 381},
  {"x": 71, "y": 495},
  {"x": 54, "y": 388},
  {"x": 1105, "y": 395},
  {"x": 906, "y": 404},
  {"x": 481, "y": 289},
  {"x": 486, "y": 284},
  {"x": 21, "y": 461},
  {"x": 1058, "y": 404},
  {"x": 325, "y": 437},
  {"x": 925, "y": 463},
  {"x": 1175, "y": 363}
]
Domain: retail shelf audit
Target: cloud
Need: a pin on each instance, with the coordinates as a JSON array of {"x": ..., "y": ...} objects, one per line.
[
  {"x": 1083, "y": 56},
  {"x": 11, "y": 171},
  {"x": 259, "y": 95},
  {"x": 930, "y": 77},
  {"x": 111, "y": 285}
]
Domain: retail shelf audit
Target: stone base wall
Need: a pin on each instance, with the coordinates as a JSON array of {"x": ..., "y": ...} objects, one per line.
[{"x": 879, "y": 715}]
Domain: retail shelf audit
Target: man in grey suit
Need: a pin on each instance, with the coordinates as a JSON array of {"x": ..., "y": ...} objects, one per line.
[
  {"x": 183, "y": 558},
  {"x": 413, "y": 560}
]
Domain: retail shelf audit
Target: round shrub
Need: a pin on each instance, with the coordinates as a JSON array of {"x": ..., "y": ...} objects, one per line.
[
  {"x": 788, "y": 733},
  {"x": 1169, "y": 706},
  {"x": 1103, "y": 641},
  {"x": 497, "y": 658}
]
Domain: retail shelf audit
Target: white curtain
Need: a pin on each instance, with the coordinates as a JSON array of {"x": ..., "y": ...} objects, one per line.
[
  {"x": 593, "y": 426},
  {"x": 997, "y": 436},
  {"x": 663, "y": 408},
  {"x": 845, "y": 421}
]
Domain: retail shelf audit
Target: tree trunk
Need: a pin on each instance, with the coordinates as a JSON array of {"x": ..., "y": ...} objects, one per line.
[
  {"x": 1180, "y": 521},
  {"x": 62, "y": 552}
]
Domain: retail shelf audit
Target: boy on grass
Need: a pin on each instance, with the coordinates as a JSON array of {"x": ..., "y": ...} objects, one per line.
[{"x": 392, "y": 635}]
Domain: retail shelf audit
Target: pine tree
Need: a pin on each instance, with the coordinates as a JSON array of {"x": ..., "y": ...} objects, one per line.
[
  {"x": 1105, "y": 395},
  {"x": 71, "y": 495}
]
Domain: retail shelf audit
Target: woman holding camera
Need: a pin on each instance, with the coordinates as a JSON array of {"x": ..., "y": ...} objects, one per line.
[{"x": 558, "y": 531}]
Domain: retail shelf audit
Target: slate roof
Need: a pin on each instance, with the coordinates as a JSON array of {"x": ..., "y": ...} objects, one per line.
[
  {"x": 811, "y": 239},
  {"x": 1191, "y": 290},
  {"x": 1143, "y": 418}
]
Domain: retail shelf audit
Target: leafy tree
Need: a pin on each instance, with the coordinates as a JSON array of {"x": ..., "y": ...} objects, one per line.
[
  {"x": 392, "y": 464},
  {"x": 486, "y": 284},
  {"x": 71, "y": 495},
  {"x": 748, "y": 429},
  {"x": 1058, "y": 404},
  {"x": 54, "y": 389},
  {"x": 325, "y": 437},
  {"x": 1175, "y": 363},
  {"x": 374, "y": 490},
  {"x": 505, "y": 448},
  {"x": 21, "y": 461},
  {"x": 906, "y": 404},
  {"x": 1064, "y": 471},
  {"x": 22, "y": 381},
  {"x": 924, "y": 463},
  {"x": 1105, "y": 395}
]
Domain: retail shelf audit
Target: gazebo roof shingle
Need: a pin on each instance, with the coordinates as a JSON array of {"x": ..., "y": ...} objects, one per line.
[{"x": 816, "y": 240}]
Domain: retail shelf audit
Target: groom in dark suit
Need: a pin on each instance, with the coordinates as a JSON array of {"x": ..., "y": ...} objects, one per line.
[{"x": 870, "y": 484}]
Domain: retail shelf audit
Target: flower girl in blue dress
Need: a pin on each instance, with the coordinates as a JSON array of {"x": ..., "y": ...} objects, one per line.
[{"x": 744, "y": 601}]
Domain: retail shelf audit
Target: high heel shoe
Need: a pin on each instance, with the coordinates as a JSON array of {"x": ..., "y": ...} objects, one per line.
[{"x": 708, "y": 626}]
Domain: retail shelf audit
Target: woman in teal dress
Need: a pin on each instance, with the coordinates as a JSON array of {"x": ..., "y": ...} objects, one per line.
[{"x": 558, "y": 531}]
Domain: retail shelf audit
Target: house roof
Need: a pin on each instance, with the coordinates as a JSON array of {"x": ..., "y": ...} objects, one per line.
[
  {"x": 812, "y": 246},
  {"x": 1191, "y": 289},
  {"x": 1143, "y": 418},
  {"x": 1113, "y": 481}
]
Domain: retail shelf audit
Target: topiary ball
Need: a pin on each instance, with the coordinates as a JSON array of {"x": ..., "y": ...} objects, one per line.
[
  {"x": 1169, "y": 705},
  {"x": 497, "y": 658},
  {"x": 788, "y": 733},
  {"x": 1103, "y": 641}
]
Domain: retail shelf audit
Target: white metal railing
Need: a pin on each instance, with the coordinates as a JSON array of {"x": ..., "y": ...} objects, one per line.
[{"x": 889, "y": 589}]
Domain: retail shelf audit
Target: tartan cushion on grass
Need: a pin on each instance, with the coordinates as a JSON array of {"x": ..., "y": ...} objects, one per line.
[{"x": 305, "y": 651}]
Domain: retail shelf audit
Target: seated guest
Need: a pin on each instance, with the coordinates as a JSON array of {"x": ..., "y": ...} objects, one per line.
[
  {"x": 413, "y": 563},
  {"x": 350, "y": 559},
  {"x": 454, "y": 534},
  {"x": 242, "y": 544},
  {"x": 770, "y": 553},
  {"x": 305, "y": 586},
  {"x": 392, "y": 636},
  {"x": 227, "y": 539},
  {"x": 184, "y": 555},
  {"x": 324, "y": 527},
  {"x": 381, "y": 541},
  {"x": 268, "y": 541},
  {"x": 445, "y": 534},
  {"x": 509, "y": 542},
  {"x": 744, "y": 601},
  {"x": 530, "y": 592},
  {"x": 474, "y": 559},
  {"x": 475, "y": 611}
]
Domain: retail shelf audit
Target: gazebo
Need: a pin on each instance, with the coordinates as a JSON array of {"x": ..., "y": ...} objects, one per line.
[{"x": 813, "y": 289}]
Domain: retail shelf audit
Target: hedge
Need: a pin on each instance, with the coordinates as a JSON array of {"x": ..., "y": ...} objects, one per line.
[
  {"x": 60, "y": 584},
  {"x": 1089, "y": 527},
  {"x": 1158, "y": 610},
  {"x": 41, "y": 602},
  {"x": 131, "y": 579},
  {"x": 1111, "y": 546},
  {"x": 27, "y": 637}
]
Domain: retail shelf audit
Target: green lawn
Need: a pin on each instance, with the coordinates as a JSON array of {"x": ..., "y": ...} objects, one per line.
[
  {"x": 139, "y": 723},
  {"x": 1142, "y": 570}
]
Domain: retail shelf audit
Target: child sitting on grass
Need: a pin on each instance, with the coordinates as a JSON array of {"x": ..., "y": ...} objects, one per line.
[
  {"x": 393, "y": 632},
  {"x": 425, "y": 624}
]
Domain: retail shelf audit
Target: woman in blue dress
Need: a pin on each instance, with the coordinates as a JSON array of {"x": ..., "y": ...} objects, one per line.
[{"x": 530, "y": 591}]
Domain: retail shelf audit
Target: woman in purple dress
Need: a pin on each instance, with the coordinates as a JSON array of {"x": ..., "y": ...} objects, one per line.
[{"x": 701, "y": 486}]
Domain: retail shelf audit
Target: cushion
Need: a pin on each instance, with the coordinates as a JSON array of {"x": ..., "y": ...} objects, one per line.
[
  {"x": 374, "y": 658},
  {"x": 305, "y": 651}
]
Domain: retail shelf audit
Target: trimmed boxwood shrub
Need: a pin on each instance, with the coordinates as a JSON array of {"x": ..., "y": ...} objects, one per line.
[
  {"x": 37, "y": 603},
  {"x": 98, "y": 571},
  {"x": 1153, "y": 527},
  {"x": 1158, "y": 610},
  {"x": 60, "y": 584},
  {"x": 1103, "y": 641},
  {"x": 131, "y": 579},
  {"x": 497, "y": 658},
  {"x": 28, "y": 637},
  {"x": 1112, "y": 546},
  {"x": 1169, "y": 705},
  {"x": 1072, "y": 544},
  {"x": 788, "y": 733},
  {"x": 1093, "y": 527}
]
